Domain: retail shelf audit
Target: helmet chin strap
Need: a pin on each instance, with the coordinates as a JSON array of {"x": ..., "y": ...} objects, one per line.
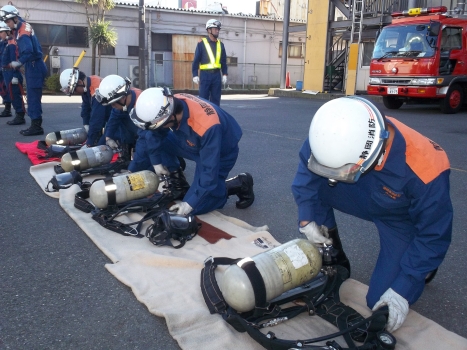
[{"x": 124, "y": 106}]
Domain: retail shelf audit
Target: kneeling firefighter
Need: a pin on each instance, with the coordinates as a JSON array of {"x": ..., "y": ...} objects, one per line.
[
  {"x": 362, "y": 163},
  {"x": 190, "y": 127},
  {"x": 120, "y": 133}
]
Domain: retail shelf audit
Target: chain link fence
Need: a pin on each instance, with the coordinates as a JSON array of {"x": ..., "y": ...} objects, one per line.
[{"x": 178, "y": 74}]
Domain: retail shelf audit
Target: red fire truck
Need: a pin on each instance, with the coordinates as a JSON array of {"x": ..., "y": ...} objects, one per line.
[{"x": 421, "y": 56}]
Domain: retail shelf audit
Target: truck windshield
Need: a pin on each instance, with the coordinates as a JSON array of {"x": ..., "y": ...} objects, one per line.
[{"x": 405, "y": 41}]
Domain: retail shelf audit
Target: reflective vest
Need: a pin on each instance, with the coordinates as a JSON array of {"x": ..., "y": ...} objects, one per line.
[{"x": 214, "y": 64}]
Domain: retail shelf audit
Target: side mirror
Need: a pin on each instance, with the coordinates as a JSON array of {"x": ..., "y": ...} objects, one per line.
[{"x": 433, "y": 29}]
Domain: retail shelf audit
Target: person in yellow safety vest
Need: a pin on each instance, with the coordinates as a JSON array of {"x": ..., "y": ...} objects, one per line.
[{"x": 211, "y": 60}]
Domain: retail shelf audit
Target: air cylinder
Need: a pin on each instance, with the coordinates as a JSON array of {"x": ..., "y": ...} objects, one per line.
[
  {"x": 66, "y": 137},
  {"x": 282, "y": 268},
  {"x": 123, "y": 188},
  {"x": 86, "y": 158}
]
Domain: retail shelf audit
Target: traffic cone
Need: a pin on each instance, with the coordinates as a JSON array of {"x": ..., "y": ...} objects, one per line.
[{"x": 287, "y": 81}]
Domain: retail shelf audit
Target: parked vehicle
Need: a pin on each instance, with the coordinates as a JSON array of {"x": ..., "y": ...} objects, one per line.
[{"x": 421, "y": 56}]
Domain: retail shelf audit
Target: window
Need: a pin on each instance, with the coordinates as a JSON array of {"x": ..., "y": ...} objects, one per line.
[
  {"x": 107, "y": 51},
  {"x": 61, "y": 35},
  {"x": 133, "y": 51},
  {"x": 296, "y": 50},
  {"x": 367, "y": 53},
  {"x": 451, "y": 38},
  {"x": 161, "y": 42},
  {"x": 232, "y": 61}
]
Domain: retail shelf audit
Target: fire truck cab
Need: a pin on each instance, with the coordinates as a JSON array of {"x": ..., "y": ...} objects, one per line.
[{"x": 421, "y": 55}]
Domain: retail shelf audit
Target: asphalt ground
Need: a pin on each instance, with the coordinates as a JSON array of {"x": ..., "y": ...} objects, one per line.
[{"x": 55, "y": 292}]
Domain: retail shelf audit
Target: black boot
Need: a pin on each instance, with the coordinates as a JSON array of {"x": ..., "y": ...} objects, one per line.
[
  {"x": 340, "y": 257},
  {"x": 179, "y": 185},
  {"x": 18, "y": 120},
  {"x": 7, "y": 111},
  {"x": 34, "y": 129},
  {"x": 242, "y": 186}
]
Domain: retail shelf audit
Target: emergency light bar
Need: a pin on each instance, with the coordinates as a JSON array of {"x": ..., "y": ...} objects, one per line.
[{"x": 420, "y": 11}]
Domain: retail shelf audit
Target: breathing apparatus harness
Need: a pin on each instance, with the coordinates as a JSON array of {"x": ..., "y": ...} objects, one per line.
[
  {"x": 166, "y": 226},
  {"x": 320, "y": 296}
]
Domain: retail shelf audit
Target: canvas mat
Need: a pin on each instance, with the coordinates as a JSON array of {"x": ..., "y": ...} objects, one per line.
[{"x": 167, "y": 281}]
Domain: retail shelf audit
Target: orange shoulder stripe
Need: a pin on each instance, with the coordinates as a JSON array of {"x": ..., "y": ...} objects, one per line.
[
  {"x": 95, "y": 82},
  {"x": 424, "y": 156},
  {"x": 202, "y": 114}
]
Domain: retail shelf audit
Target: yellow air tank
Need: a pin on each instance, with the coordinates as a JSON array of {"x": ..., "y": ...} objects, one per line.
[
  {"x": 86, "y": 158},
  {"x": 282, "y": 268},
  {"x": 123, "y": 188},
  {"x": 66, "y": 137}
]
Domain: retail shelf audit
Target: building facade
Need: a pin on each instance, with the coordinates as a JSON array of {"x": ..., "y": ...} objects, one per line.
[{"x": 253, "y": 43}]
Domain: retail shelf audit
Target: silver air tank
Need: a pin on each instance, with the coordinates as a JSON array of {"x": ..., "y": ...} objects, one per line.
[
  {"x": 123, "y": 188},
  {"x": 66, "y": 137},
  {"x": 282, "y": 268},
  {"x": 86, "y": 158}
]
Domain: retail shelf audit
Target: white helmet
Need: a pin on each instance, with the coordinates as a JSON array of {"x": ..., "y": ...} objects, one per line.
[
  {"x": 8, "y": 11},
  {"x": 4, "y": 27},
  {"x": 111, "y": 89},
  {"x": 153, "y": 107},
  {"x": 68, "y": 80},
  {"x": 347, "y": 137},
  {"x": 213, "y": 23}
]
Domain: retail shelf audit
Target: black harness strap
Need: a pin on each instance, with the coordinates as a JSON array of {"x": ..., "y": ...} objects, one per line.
[
  {"x": 75, "y": 160},
  {"x": 111, "y": 190},
  {"x": 58, "y": 136},
  {"x": 256, "y": 280}
]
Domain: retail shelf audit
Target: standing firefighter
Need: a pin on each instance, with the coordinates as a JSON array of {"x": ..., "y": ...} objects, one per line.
[
  {"x": 211, "y": 59},
  {"x": 30, "y": 55},
  {"x": 3, "y": 85},
  {"x": 12, "y": 77}
]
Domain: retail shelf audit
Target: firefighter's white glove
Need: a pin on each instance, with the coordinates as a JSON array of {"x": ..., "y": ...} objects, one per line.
[
  {"x": 15, "y": 81},
  {"x": 196, "y": 80},
  {"x": 15, "y": 64},
  {"x": 316, "y": 235},
  {"x": 398, "y": 309},
  {"x": 161, "y": 170},
  {"x": 86, "y": 127},
  {"x": 224, "y": 79},
  {"x": 182, "y": 208},
  {"x": 111, "y": 143}
]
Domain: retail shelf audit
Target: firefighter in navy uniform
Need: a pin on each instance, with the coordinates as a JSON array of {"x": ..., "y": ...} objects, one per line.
[
  {"x": 30, "y": 56},
  {"x": 211, "y": 59},
  {"x": 4, "y": 93},
  {"x": 192, "y": 128},
  {"x": 361, "y": 163},
  {"x": 12, "y": 77},
  {"x": 95, "y": 115},
  {"x": 120, "y": 132}
]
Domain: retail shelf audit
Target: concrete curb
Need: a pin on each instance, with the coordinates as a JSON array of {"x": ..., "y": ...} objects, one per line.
[{"x": 319, "y": 96}]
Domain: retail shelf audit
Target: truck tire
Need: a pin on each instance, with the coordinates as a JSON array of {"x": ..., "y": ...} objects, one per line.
[
  {"x": 453, "y": 101},
  {"x": 390, "y": 102}
]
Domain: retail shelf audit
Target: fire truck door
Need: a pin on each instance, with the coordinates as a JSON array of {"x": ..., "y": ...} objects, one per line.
[{"x": 452, "y": 49}]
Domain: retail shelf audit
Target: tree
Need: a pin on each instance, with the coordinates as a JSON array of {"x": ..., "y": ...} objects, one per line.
[
  {"x": 95, "y": 12},
  {"x": 102, "y": 36}
]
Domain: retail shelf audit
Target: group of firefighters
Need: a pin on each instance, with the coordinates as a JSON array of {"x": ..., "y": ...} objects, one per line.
[{"x": 355, "y": 160}]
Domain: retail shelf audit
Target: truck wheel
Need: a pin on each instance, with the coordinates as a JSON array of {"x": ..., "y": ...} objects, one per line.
[
  {"x": 392, "y": 103},
  {"x": 452, "y": 103}
]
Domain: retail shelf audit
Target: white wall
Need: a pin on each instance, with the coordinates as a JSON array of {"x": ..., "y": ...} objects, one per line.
[{"x": 260, "y": 46}]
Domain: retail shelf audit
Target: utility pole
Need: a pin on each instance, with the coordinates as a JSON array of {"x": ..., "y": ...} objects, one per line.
[
  {"x": 142, "y": 46},
  {"x": 285, "y": 42}
]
